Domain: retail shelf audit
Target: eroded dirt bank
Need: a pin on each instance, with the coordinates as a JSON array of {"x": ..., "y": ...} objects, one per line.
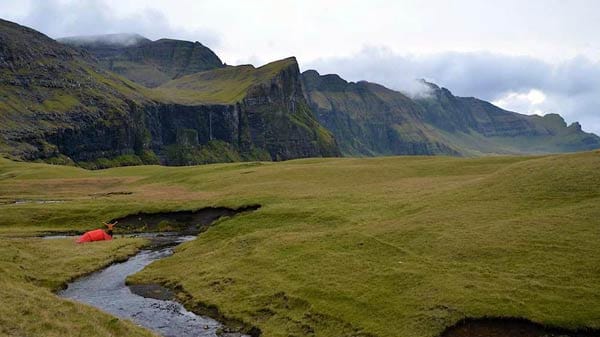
[
  {"x": 188, "y": 222},
  {"x": 511, "y": 327},
  {"x": 153, "y": 306}
]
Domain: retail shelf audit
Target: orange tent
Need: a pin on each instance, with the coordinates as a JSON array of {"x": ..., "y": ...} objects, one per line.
[{"x": 95, "y": 235}]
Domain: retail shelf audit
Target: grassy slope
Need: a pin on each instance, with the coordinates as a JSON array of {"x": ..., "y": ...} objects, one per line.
[
  {"x": 398, "y": 246},
  {"x": 31, "y": 268},
  {"x": 220, "y": 86}
]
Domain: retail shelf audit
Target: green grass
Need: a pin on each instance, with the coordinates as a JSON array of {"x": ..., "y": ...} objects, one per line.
[
  {"x": 396, "y": 246},
  {"x": 220, "y": 86},
  {"x": 60, "y": 103},
  {"x": 30, "y": 269}
]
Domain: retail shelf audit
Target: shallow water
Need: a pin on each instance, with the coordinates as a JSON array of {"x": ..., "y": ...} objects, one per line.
[{"x": 106, "y": 290}]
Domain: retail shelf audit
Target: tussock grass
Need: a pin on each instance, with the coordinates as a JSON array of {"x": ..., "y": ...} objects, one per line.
[{"x": 396, "y": 246}]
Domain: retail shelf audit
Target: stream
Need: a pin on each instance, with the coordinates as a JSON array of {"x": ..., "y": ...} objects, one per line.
[{"x": 106, "y": 290}]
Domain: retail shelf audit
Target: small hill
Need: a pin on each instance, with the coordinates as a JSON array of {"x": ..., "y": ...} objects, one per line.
[{"x": 149, "y": 63}]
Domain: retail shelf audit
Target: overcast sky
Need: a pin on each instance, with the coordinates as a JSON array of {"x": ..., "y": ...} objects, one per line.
[{"x": 526, "y": 56}]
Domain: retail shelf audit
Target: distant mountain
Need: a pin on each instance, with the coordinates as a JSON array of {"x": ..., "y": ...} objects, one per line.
[
  {"x": 149, "y": 63},
  {"x": 60, "y": 104},
  {"x": 122, "y": 99},
  {"x": 369, "y": 119},
  {"x": 267, "y": 103}
]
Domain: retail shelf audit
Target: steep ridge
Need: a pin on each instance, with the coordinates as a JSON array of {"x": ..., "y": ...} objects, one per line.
[
  {"x": 369, "y": 119},
  {"x": 149, "y": 63},
  {"x": 267, "y": 105},
  {"x": 60, "y": 105},
  {"x": 64, "y": 103},
  {"x": 51, "y": 94},
  {"x": 481, "y": 127}
]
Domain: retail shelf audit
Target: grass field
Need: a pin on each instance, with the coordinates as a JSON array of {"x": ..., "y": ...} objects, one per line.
[
  {"x": 397, "y": 246},
  {"x": 30, "y": 269}
]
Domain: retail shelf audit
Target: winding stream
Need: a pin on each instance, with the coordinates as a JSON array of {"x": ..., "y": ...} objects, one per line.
[{"x": 106, "y": 290}]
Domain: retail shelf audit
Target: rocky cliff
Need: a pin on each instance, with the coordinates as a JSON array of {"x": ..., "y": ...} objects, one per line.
[
  {"x": 369, "y": 119},
  {"x": 146, "y": 62},
  {"x": 177, "y": 104},
  {"x": 59, "y": 104}
]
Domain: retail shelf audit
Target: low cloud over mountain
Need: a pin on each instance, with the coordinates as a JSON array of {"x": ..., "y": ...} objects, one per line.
[{"x": 520, "y": 83}]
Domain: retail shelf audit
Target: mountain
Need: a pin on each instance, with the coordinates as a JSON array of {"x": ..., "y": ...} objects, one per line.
[
  {"x": 122, "y": 99},
  {"x": 266, "y": 103},
  {"x": 149, "y": 63},
  {"x": 59, "y": 103},
  {"x": 368, "y": 119}
]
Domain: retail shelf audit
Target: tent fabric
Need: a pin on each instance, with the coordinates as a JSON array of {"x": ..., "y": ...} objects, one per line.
[{"x": 95, "y": 235}]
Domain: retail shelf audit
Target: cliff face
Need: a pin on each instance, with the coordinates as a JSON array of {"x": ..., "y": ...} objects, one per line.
[
  {"x": 280, "y": 120},
  {"x": 49, "y": 91},
  {"x": 60, "y": 105},
  {"x": 63, "y": 103},
  {"x": 369, "y": 119},
  {"x": 146, "y": 62}
]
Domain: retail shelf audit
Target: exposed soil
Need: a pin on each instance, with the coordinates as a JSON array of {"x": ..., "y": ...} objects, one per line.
[
  {"x": 188, "y": 222},
  {"x": 110, "y": 194},
  {"x": 153, "y": 306},
  {"x": 511, "y": 327},
  {"x": 232, "y": 327},
  {"x": 152, "y": 291}
]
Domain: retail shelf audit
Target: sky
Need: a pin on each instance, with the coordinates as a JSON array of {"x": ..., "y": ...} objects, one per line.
[{"x": 532, "y": 57}]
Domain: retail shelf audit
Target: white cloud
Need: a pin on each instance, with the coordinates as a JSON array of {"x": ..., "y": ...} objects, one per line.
[
  {"x": 525, "y": 102},
  {"x": 62, "y": 18}
]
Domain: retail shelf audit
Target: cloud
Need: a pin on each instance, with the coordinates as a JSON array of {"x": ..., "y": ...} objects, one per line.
[
  {"x": 519, "y": 83},
  {"x": 60, "y": 18},
  {"x": 529, "y": 102}
]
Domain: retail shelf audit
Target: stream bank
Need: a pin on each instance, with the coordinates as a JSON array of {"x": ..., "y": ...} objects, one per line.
[{"x": 153, "y": 306}]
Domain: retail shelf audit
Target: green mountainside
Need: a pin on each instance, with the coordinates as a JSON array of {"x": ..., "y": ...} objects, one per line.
[
  {"x": 368, "y": 119},
  {"x": 51, "y": 93},
  {"x": 122, "y": 99},
  {"x": 60, "y": 104},
  {"x": 150, "y": 63},
  {"x": 226, "y": 85}
]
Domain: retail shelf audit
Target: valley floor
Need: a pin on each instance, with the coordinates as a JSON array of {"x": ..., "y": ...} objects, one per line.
[{"x": 397, "y": 246}]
